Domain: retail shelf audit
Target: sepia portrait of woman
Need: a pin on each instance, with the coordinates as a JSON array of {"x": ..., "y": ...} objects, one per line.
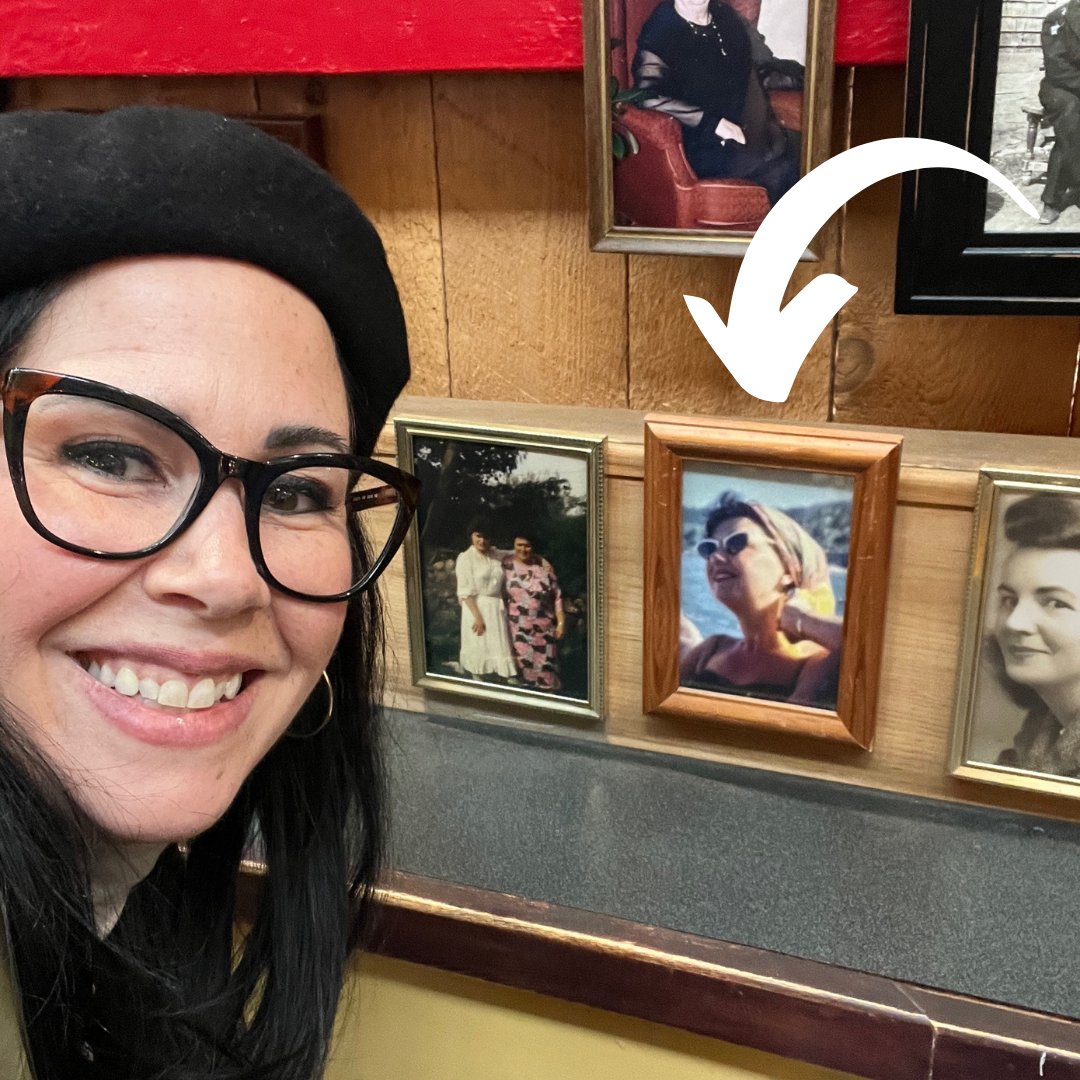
[
  {"x": 774, "y": 577},
  {"x": 1035, "y": 631}
]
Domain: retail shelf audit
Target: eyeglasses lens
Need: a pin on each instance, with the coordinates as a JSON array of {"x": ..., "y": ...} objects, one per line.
[
  {"x": 318, "y": 527},
  {"x": 103, "y": 477},
  {"x": 111, "y": 480},
  {"x": 735, "y": 543}
]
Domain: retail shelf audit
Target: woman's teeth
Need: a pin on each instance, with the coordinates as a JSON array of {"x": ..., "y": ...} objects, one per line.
[{"x": 173, "y": 693}]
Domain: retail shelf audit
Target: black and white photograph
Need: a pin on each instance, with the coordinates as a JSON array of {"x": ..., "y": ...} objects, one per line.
[
  {"x": 1018, "y": 714},
  {"x": 764, "y": 581},
  {"x": 707, "y": 108},
  {"x": 1036, "y": 135},
  {"x": 1000, "y": 79},
  {"x": 504, "y": 566}
]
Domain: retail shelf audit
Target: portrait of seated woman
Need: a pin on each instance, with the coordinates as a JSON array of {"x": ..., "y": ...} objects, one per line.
[
  {"x": 772, "y": 580},
  {"x": 709, "y": 67}
]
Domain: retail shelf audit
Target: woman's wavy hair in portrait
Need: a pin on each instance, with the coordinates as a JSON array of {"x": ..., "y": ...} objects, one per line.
[
  {"x": 189, "y": 1002},
  {"x": 1048, "y": 520}
]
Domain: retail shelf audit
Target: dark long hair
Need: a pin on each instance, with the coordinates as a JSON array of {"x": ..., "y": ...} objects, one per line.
[{"x": 168, "y": 995}]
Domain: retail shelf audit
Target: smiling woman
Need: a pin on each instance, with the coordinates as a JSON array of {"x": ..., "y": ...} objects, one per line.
[{"x": 185, "y": 583}]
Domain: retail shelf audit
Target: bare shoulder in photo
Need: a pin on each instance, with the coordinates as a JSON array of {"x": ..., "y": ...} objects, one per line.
[{"x": 764, "y": 577}]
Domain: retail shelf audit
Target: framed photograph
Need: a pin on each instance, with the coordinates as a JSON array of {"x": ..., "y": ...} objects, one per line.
[
  {"x": 700, "y": 115},
  {"x": 1000, "y": 78},
  {"x": 504, "y": 564},
  {"x": 1017, "y": 717},
  {"x": 766, "y": 570}
]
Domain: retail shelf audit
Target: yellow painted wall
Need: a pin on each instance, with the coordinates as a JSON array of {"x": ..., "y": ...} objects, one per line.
[{"x": 406, "y": 1022}]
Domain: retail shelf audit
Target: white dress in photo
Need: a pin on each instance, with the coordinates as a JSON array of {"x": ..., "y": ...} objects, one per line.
[{"x": 488, "y": 653}]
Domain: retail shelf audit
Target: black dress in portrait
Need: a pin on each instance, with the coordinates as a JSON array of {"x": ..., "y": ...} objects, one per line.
[{"x": 701, "y": 75}]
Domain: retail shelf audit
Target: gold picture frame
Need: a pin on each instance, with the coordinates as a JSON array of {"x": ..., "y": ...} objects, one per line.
[
  {"x": 606, "y": 233},
  {"x": 760, "y": 456},
  {"x": 576, "y": 470},
  {"x": 992, "y": 709}
]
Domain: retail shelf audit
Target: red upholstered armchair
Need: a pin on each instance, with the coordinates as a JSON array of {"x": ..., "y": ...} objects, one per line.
[{"x": 656, "y": 188}]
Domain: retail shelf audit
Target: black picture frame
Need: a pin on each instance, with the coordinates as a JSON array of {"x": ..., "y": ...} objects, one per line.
[{"x": 946, "y": 263}]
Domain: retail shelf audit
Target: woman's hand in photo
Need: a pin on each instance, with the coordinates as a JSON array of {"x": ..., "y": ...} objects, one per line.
[
  {"x": 478, "y": 626},
  {"x": 560, "y": 625},
  {"x": 793, "y": 619},
  {"x": 799, "y": 623},
  {"x": 727, "y": 130}
]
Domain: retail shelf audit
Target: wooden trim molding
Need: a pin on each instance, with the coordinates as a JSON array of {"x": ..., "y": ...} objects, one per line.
[
  {"x": 872, "y": 460},
  {"x": 867, "y": 1025}
]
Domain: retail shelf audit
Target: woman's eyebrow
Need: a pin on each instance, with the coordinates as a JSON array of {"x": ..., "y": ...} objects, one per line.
[
  {"x": 1045, "y": 590},
  {"x": 293, "y": 436}
]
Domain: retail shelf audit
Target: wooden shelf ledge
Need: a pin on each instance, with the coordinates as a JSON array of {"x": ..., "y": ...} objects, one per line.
[{"x": 862, "y": 1024}]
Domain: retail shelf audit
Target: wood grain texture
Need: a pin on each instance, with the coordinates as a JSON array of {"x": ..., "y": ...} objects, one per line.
[
  {"x": 1000, "y": 373},
  {"x": 380, "y": 143},
  {"x": 532, "y": 314},
  {"x": 223, "y": 93},
  {"x": 672, "y": 367},
  {"x": 922, "y": 634}
]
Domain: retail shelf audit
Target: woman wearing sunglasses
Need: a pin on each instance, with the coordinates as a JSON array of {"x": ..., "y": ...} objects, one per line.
[
  {"x": 199, "y": 342},
  {"x": 774, "y": 578}
]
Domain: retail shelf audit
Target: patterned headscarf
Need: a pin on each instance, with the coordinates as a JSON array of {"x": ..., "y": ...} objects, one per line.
[{"x": 802, "y": 556}]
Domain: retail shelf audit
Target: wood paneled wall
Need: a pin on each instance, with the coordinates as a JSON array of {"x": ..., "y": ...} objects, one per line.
[{"x": 477, "y": 185}]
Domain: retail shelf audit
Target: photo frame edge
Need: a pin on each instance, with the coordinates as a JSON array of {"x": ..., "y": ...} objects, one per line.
[
  {"x": 666, "y": 696},
  {"x": 992, "y": 479},
  {"x": 974, "y": 291},
  {"x": 592, "y": 448},
  {"x": 604, "y": 234}
]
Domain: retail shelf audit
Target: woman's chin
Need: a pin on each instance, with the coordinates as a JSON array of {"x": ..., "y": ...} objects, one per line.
[
  {"x": 1029, "y": 672},
  {"x": 153, "y": 818}
]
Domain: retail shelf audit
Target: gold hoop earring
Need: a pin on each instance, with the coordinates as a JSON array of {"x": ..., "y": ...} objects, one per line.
[{"x": 325, "y": 719}]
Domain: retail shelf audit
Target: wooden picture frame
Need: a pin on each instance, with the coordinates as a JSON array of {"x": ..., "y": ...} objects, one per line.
[
  {"x": 660, "y": 168},
  {"x": 974, "y": 77},
  {"x": 872, "y": 461},
  {"x": 431, "y": 563},
  {"x": 996, "y": 711}
]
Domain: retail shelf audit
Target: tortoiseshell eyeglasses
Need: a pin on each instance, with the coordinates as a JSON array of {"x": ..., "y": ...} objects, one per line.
[{"x": 104, "y": 473}]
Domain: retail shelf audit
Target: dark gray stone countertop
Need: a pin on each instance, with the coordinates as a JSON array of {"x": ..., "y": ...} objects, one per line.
[{"x": 965, "y": 899}]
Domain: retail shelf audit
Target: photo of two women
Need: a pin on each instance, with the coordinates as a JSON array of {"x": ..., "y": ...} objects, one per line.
[
  {"x": 503, "y": 534},
  {"x": 764, "y": 576}
]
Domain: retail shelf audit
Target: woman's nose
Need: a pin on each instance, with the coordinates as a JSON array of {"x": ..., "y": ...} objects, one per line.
[
  {"x": 210, "y": 567},
  {"x": 1021, "y": 619}
]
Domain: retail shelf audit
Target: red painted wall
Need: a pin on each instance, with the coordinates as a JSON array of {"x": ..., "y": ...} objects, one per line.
[{"x": 167, "y": 37}]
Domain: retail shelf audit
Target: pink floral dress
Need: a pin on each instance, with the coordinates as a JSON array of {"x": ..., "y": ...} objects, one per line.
[{"x": 532, "y": 599}]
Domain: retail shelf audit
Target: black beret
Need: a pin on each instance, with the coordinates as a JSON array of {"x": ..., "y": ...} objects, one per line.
[{"x": 79, "y": 189}]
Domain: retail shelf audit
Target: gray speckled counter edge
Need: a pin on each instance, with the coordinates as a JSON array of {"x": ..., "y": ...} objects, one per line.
[{"x": 971, "y": 900}]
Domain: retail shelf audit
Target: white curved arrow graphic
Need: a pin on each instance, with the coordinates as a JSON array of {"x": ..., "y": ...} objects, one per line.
[{"x": 764, "y": 347}]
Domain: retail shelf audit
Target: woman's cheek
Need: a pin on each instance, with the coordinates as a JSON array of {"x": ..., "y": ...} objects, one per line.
[{"x": 311, "y": 631}]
